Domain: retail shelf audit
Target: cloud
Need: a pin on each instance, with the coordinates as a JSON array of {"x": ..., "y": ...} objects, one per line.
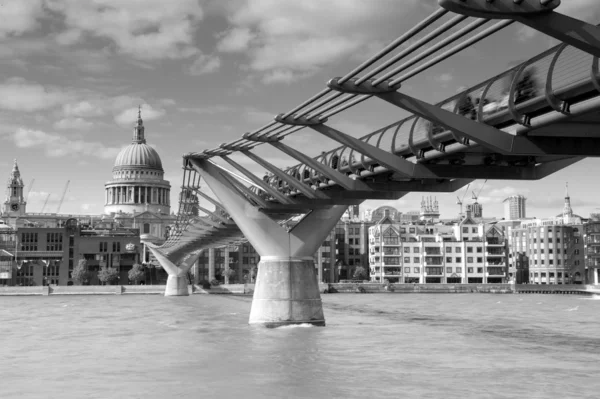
[
  {"x": 258, "y": 117},
  {"x": 129, "y": 116},
  {"x": 72, "y": 124},
  {"x": 287, "y": 40},
  {"x": 68, "y": 37},
  {"x": 497, "y": 195},
  {"x": 154, "y": 29},
  {"x": 235, "y": 40},
  {"x": 19, "y": 16},
  {"x": 205, "y": 64},
  {"x": 87, "y": 207},
  {"x": 212, "y": 109},
  {"x": 59, "y": 146},
  {"x": 19, "y": 95},
  {"x": 82, "y": 109}
]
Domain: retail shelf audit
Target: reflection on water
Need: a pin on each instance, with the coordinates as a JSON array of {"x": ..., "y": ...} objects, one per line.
[{"x": 375, "y": 345}]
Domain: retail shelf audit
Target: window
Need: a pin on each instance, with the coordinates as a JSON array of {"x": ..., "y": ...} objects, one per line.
[
  {"x": 103, "y": 246},
  {"x": 479, "y": 250},
  {"x": 407, "y": 270},
  {"x": 407, "y": 260},
  {"x": 29, "y": 242},
  {"x": 470, "y": 250},
  {"x": 71, "y": 241},
  {"x": 459, "y": 270},
  {"x": 448, "y": 270},
  {"x": 470, "y": 259},
  {"x": 411, "y": 230},
  {"x": 458, "y": 259},
  {"x": 54, "y": 242},
  {"x": 416, "y": 250},
  {"x": 479, "y": 260},
  {"x": 416, "y": 269},
  {"x": 480, "y": 270},
  {"x": 406, "y": 250},
  {"x": 116, "y": 247},
  {"x": 470, "y": 269},
  {"x": 474, "y": 230},
  {"x": 449, "y": 259},
  {"x": 465, "y": 230},
  {"x": 458, "y": 250},
  {"x": 416, "y": 260},
  {"x": 448, "y": 250},
  {"x": 146, "y": 228}
]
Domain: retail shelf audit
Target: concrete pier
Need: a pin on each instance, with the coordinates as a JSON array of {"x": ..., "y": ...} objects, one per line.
[
  {"x": 286, "y": 292},
  {"x": 177, "y": 286}
]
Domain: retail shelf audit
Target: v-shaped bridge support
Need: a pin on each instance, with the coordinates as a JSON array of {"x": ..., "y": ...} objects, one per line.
[
  {"x": 177, "y": 282},
  {"x": 286, "y": 290}
]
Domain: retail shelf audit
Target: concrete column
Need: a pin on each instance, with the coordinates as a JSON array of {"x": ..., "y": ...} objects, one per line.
[
  {"x": 596, "y": 273},
  {"x": 286, "y": 290},
  {"x": 211, "y": 264},
  {"x": 177, "y": 282}
]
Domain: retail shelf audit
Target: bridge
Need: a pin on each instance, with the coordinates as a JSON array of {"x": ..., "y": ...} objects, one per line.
[{"x": 546, "y": 120}]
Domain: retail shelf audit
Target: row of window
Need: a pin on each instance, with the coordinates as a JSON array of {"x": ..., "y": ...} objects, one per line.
[
  {"x": 395, "y": 260},
  {"x": 495, "y": 271},
  {"x": 103, "y": 246}
]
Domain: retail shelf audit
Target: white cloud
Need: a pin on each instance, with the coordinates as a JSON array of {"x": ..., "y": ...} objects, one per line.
[
  {"x": 152, "y": 29},
  {"x": 72, "y": 124},
  {"x": 445, "y": 77},
  {"x": 19, "y": 95},
  {"x": 82, "y": 109},
  {"x": 235, "y": 40},
  {"x": 68, "y": 37},
  {"x": 59, "y": 146},
  {"x": 259, "y": 117},
  {"x": 19, "y": 16},
  {"x": 212, "y": 109},
  {"x": 129, "y": 116},
  {"x": 87, "y": 207},
  {"x": 205, "y": 64},
  {"x": 294, "y": 39}
]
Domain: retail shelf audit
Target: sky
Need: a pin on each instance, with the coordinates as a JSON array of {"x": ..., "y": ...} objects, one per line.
[{"x": 73, "y": 72}]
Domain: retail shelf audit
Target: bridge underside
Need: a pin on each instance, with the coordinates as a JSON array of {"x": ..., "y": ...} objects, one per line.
[{"x": 546, "y": 120}]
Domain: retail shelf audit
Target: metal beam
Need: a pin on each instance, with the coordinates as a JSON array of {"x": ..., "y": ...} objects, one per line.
[
  {"x": 298, "y": 185},
  {"x": 265, "y": 187},
  {"x": 384, "y": 158},
  {"x": 340, "y": 178}
]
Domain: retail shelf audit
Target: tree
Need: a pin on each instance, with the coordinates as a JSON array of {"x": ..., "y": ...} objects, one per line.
[
  {"x": 227, "y": 274},
  {"x": 80, "y": 274},
  {"x": 108, "y": 275},
  {"x": 360, "y": 273},
  {"x": 136, "y": 274}
]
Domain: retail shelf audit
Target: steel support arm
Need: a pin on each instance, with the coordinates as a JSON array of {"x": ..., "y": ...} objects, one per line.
[
  {"x": 294, "y": 183},
  {"x": 264, "y": 186},
  {"x": 384, "y": 158},
  {"x": 340, "y": 178}
]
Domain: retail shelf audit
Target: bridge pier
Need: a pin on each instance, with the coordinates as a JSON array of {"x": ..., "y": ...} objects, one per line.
[
  {"x": 177, "y": 282},
  {"x": 286, "y": 292},
  {"x": 286, "y": 289}
]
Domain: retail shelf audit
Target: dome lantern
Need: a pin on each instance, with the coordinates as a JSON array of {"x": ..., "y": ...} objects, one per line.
[{"x": 138, "y": 130}]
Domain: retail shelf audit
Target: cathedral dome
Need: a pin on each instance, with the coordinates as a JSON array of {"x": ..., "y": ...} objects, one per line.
[{"x": 139, "y": 155}]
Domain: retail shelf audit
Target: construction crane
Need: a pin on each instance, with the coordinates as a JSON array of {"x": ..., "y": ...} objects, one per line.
[
  {"x": 63, "y": 196},
  {"x": 459, "y": 201},
  {"x": 475, "y": 196},
  {"x": 45, "y": 203},
  {"x": 29, "y": 191}
]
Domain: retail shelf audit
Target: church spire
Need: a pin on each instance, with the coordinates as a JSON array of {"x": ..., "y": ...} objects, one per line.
[
  {"x": 138, "y": 130},
  {"x": 567, "y": 211}
]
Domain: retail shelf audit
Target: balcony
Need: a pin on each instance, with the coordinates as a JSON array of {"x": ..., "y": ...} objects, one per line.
[
  {"x": 494, "y": 264},
  {"x": 494, "y": 253}
]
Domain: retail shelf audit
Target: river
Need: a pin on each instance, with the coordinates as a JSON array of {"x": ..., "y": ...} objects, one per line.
[{"x": 374, "y": 346}]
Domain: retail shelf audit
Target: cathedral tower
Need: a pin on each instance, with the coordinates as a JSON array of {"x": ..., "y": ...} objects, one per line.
[{"x": 14, "y": 204}]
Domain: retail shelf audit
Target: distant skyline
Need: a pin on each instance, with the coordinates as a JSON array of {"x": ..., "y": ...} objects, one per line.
[{"x": 205, "y": 72}]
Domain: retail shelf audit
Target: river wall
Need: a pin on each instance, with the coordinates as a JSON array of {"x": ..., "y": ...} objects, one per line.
[{"x": 248, "y": 289}]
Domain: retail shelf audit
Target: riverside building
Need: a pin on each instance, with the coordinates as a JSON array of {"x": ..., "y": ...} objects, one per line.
[
  {"x": 550, "y": 250},
  {"x": 466, "y": 252}
]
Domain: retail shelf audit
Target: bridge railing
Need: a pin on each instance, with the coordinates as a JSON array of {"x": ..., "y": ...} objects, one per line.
[{"x": 550, "y": 81}]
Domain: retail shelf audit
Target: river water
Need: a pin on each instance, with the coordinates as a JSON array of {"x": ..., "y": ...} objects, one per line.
[{"x": 374, "y": 346}]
